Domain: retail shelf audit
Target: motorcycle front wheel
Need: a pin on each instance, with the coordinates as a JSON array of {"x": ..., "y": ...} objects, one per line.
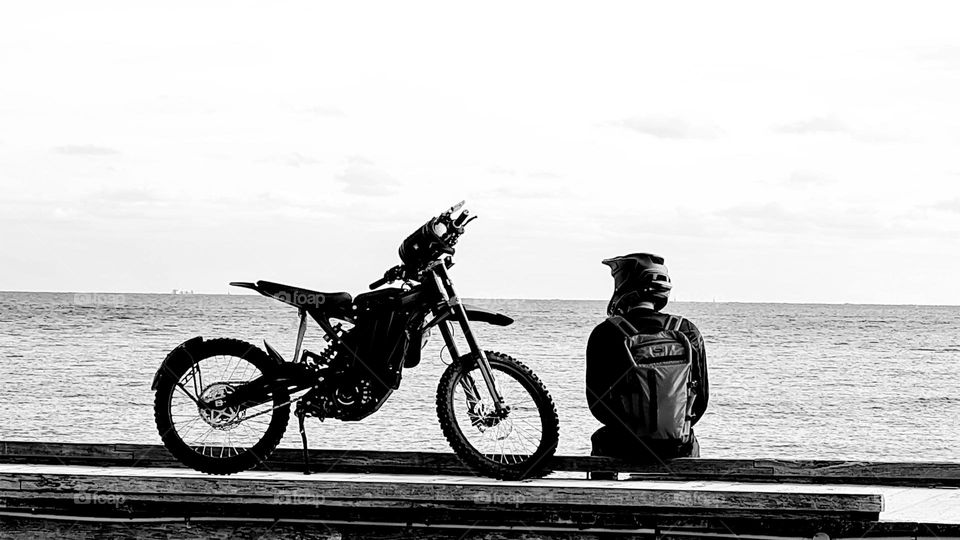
[
  {"x": 218, "y": 441},
  {"x": 511, "y": 444}
]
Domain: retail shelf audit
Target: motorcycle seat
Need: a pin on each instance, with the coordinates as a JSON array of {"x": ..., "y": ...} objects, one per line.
[{"x": 303, "y": 298}]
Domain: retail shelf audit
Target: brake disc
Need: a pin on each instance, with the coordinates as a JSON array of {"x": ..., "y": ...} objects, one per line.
[{"x": 224, "y": 418}]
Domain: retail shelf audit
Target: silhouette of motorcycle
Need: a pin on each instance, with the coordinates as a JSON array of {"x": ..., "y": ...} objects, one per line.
[{"x": 222, "y": 405}]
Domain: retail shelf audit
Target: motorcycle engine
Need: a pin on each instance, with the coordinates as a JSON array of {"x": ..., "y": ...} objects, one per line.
[
  {"x": 349, "y": 397},
  {"x": 351, "y": 389},
  {"x": 345, "y": 399}
]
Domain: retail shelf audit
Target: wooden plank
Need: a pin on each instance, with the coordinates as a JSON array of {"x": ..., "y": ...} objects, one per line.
[
  {"x": 437, "y": 501},
  {"x": 262, "y": 530},
  {"x": 918, "y": 474},
  {"x": 374, "y": 491},
  {"x": 69, "y": 451},
  {"x": 366, "y": 461},
  {"x": 294, "y": 529},
  {"x": 420, "y": 505}
]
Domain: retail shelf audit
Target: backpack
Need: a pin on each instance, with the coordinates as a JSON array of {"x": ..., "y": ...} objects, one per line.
[{"x": 658, "y": 393}]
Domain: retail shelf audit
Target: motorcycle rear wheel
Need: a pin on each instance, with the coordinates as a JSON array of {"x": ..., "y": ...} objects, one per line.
[
  {"x": 223, "y": 441},
  {"x": 510, "y": 446}
]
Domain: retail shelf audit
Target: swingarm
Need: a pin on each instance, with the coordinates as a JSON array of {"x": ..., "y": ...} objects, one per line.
[{"x": 294, "y": 377}]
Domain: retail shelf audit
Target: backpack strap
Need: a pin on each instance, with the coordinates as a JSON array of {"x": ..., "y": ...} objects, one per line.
[
  {"x": 623, "y": 325},
  {"x": 673, "y": 323}
]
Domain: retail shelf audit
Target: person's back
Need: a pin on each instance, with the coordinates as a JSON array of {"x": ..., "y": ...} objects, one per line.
[{"x": 642, "y": 287}]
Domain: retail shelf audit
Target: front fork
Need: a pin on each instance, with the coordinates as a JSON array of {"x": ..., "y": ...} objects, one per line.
[{"x": 452, "y": 301}]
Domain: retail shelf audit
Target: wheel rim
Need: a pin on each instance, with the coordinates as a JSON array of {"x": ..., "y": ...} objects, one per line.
[
  {"x": 217, "y": 433},
  {"x": 509, "y": 438}
]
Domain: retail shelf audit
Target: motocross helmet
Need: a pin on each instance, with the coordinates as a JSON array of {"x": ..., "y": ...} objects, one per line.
[{"x": 638, "y": 277}]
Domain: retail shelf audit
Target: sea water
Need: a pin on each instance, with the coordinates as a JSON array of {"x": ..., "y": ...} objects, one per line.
[{"x": 795, "y": 381}]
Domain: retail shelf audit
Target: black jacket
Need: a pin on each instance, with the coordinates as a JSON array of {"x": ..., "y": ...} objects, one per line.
[{"x": 608, "y": 363}]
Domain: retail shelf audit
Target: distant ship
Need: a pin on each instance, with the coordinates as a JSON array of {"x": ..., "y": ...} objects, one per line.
[{"x": 178, "y": 291}]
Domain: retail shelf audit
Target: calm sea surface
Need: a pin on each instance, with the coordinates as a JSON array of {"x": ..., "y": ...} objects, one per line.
[{"x": 787, "y": 380}]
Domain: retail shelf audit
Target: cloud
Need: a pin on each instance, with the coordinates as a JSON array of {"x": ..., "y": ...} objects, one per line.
[
  {"x": 129, "y": 195},
  {"x": 808, "y": 179},
  {"x": 765, "y": 216},
  {"x": 835, "y": 223},
  {"x": 952, "y": 205},
  {"x": 297, "y": 160},
  {"x": 367, "y": 180},
  {"x": 830, "y": 125},
  {"x": 944, "y": 57},
  {"x": 538, "y": 184},
  {"x": 329, "y": 112},
  {"x": 668, "y": 127},
  {"x": 822, "y": 124},
  {"x": 85, "y": 150},
  {"x": 530, "y": 192},
  {"x": 359, "y": 160}
]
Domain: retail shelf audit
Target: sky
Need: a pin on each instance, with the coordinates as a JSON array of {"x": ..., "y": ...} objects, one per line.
[{"x": 771, "y": 152}]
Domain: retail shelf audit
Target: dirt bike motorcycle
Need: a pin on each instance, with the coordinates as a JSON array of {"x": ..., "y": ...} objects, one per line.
[{"x": 222, "y": 405}]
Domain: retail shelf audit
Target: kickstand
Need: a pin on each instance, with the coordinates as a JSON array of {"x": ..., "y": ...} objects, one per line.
[{"x": 303, "y": 437}]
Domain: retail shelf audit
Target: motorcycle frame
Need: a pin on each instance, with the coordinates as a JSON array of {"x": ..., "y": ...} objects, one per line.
[
  {"x": 449, "y": 306},
  {"x": 436, "y": 280}
]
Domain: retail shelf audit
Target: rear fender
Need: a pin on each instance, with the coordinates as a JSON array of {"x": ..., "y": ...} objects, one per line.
[{"x": 187, "y": 348}]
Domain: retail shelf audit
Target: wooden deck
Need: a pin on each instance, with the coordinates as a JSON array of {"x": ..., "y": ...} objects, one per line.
[
  {"x": 908, "y": 474},
  {"x": 74, "y": 490}
]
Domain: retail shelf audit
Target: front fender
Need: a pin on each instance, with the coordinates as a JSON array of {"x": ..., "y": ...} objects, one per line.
[
  {"x": 478, "y": 314},
  {"x": 186, "y": 348}
]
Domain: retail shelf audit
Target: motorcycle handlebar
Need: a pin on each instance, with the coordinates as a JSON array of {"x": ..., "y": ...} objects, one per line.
[
  {"x": 376, "y": 284},
  {"x": 458, "y": 224},
  {"x": 392, "y": 274}
]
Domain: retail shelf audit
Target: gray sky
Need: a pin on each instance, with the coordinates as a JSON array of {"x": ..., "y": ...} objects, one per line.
[{"x": 788, "y": 152}]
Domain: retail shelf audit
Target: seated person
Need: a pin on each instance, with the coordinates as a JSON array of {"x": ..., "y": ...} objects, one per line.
[{"x": 641, "y": 290}]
